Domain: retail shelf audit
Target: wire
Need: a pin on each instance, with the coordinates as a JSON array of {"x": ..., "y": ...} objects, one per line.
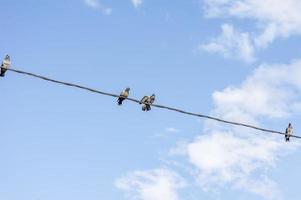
[{"x": 153, "y": 105}]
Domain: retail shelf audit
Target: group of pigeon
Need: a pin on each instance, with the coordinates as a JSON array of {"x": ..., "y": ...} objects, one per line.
[{"x": 147, "y": 101}]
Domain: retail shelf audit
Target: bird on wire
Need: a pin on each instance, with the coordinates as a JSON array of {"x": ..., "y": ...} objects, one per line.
[
  {"x": 5, "y": 65},
  {"x": 147, "y": 101},
  {"x": 123, "y": 95},
  {"x": 288, "y": 132}
]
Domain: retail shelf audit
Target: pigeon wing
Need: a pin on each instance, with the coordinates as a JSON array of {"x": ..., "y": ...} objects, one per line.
[
  {"x": 152, "y": 99},
  {"x": 6, "y": 63},
  {"x": 144, "y": 99}
]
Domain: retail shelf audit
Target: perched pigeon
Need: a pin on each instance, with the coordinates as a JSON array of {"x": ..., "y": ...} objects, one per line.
[
  {"x": 5, "y": 65},
  {"x": 288, "y": 132},
  {"x": 124, "y": 94},
  {"x": 147, "y": 101},
  {"x": 152, "y": 98},
  {"x": 144, "y": 99}
]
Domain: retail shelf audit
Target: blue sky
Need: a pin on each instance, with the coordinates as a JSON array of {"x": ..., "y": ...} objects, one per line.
[{"x": 239, "y": 60}]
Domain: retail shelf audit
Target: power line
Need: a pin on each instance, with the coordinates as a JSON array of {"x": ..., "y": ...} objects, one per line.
[{"x": 153, "y": 105}]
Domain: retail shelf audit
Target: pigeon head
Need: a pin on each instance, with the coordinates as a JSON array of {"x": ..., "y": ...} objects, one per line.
[
  {"x": 152, "y": 99},
  {"x": 127, "y": 89}
]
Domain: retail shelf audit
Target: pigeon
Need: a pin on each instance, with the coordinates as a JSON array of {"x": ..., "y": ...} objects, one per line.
[
  {"x": 152, "y": 98},
  {"x": 5, "y": 65},
  {"x": 123, "y": 95},
  {"x": 288, "y": 132},
  {"x": 147, "y": 101}
]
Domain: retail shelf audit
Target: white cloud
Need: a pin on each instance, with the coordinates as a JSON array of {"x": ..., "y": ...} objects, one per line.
[
  {"x": 227, "y": 155},
  {"x": 227, "y": 158},
  {"x": 231, "y": 43},
  {"x": 172, "y": 130},
  {"x": 270, "y": 92},
  {"x": 272, "y": 18},
  {"x": 264, "y": 187},
  {"x": 158, "y": 184},
  {"x": 137, "y": 3},
  {"x": 95, "y": 4},
  {"x": 92, "y": 3}
]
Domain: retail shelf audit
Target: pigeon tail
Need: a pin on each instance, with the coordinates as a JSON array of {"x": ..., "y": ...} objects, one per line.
[
  {"x": 120, "y": 100},
  {"x": 143, "y": 108},
  {"x": 2, "y": 74},
  {"x": 146, "y": 107},
  {"x": 287, "y": 138}
]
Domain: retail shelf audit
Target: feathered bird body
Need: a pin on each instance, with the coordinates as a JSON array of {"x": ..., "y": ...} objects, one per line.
[
  {"x": 144, "y": 99},
  {"x": 5, "y": 65},
  {"x": 123, "y": 95},
  {"x": 152, "y": 99},
  {"x": 147, "y": 101},
  {"x": 288, "y": 132}
]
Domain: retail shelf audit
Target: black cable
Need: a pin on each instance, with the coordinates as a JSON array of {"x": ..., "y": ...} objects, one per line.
[{"x": 154, "y": 105}]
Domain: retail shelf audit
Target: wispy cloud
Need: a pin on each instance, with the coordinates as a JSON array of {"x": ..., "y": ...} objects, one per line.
[
  {"x": 137, "y": 3},
  {"x": 226, "y": 156},
  {"x": 232, "y": 156},
  {"x": 266, "y": 93},
  {"x": 272, "y": 19},
  {"x": 231, "y": 44},
  {"x": 172, "y": 130},
  {"x": 95, "y": 4},
  {"x": 157, "y": 184}
]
